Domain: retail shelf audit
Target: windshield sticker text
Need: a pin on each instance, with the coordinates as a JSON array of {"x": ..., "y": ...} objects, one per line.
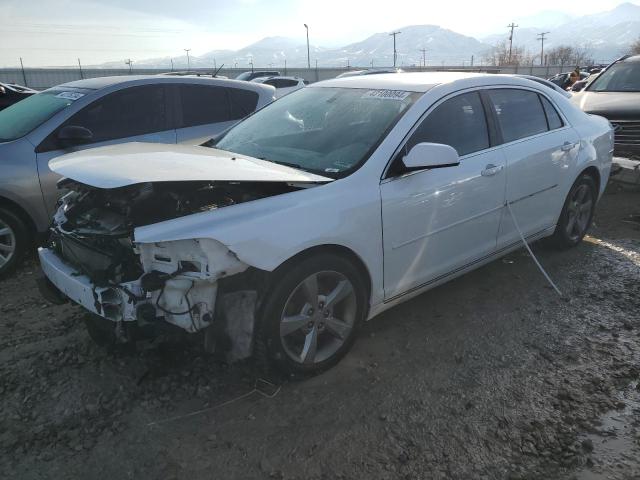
[
  {"x": 70, "y": 95},
  {"x": 387, "y": 94}
]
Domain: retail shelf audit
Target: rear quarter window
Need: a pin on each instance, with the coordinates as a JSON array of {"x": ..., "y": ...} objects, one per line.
[{"x": 553, "y": 118}]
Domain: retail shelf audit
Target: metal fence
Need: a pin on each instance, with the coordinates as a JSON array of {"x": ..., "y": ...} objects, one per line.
[{"x": 41, "y": 78}]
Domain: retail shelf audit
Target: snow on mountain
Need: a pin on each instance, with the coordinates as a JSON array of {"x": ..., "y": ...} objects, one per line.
[{"x": 607, "y": 35}]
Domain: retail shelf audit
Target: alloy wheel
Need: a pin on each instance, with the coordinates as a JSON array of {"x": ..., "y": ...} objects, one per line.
[
  {"x": 318, "y": 317},
  {"x": 7, "y": 243},
  {"x": 579, "y": 212}
]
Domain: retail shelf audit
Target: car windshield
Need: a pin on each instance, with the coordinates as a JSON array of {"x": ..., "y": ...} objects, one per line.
[
  {"x": 23, "y": 117},
  {"x": 329, "y": 131},
  {"x": 619, "y": 77}
]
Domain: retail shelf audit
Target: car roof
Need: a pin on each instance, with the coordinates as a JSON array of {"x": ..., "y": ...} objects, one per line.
[
  {"x": 420, "y": 81},
  {"x": 104, "y": 82},
  {"x": 632, "y": 58}
]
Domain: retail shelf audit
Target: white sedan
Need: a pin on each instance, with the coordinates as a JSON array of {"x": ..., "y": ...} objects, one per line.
[{"x": 322, "y": 210}]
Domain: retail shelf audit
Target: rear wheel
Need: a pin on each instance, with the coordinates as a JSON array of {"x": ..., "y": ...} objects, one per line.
[
  {"x": 14, "y": 240},
  {"x": 577, "y": 213},
  {"x": 311, "y": 317}
]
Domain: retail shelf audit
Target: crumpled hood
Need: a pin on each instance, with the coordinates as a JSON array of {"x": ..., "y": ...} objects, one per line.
[
  {"x": 125, "y": 164},
  {"x": 611, "y": 105}
]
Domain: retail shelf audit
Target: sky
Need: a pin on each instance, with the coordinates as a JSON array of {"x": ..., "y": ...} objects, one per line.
[{"x": 58, "y": 32}]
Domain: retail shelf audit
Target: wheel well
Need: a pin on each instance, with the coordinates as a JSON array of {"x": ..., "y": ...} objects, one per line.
[
  {"x": 20, "y": 212},
  {"x": 594, "y": 173},
  {"x": 336, "y": 250}
]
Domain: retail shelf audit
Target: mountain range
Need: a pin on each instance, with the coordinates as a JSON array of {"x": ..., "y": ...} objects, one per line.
[{"x": 605, "y": 35}]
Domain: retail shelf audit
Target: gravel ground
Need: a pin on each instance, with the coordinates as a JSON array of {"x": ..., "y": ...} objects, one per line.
[{"x": 490, "y": 376}]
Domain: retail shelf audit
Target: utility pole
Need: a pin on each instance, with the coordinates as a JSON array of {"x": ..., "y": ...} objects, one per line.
[
  {"x": 285, "y": 66},
  {"x": 472, "y": 60},
  {"x": 80, "y": 67},
  {"x": 188, "y": 61},
  {"x": 511, "y": 26},
  {"x": 541, "y": 38},
  {"x": 130, "y": 63},
  {"x": 372, "y": 63},
  {"x": 395, "y": 52},
  {"x": 308, "y": 56},
  {"x": 171, "y": 64},
  {"x": 24, "y": 76},
  {"x": 424, "y": 56}
]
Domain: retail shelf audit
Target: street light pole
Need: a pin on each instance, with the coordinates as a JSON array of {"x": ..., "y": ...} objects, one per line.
[
  {"x": 188, "y": 61},
  {"x": 395, "y": 52},
  {"x": 308, "y": 55}
]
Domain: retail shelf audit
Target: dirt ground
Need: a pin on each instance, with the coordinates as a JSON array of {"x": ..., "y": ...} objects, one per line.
[{"x": 490, "y": 376}]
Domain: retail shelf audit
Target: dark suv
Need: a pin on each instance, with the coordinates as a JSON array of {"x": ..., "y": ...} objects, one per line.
[{"x": 615, "y": 95}]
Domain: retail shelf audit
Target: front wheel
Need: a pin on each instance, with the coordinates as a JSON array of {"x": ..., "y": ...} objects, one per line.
[
  {"x": 14, "y": 241},
  {"x": 311, "y": 317},
  {"x": 577, "y": 213}
]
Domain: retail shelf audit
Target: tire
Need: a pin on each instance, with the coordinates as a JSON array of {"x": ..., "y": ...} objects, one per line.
[
  {"x": 101, "y": 331},
  {"x": 14, "y": 241},
  {"x": 289, "y": 321},
  {"x": 577, "y": 213}
]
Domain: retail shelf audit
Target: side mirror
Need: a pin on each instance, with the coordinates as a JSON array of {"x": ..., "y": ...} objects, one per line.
[
  {"x": 431, "y": 155},
  {"x": 3, "y": 91},
  {"x": 74, "y": 135}
]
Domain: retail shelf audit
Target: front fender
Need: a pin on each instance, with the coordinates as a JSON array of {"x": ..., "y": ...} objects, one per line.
[{"x": 265, "y": 233}]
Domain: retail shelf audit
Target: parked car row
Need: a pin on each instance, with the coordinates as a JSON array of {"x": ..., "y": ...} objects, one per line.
[
  {"x": 317, "y": 212},
  {"x": 96, "y": 112},
  {"x": 11, "y": 93}
]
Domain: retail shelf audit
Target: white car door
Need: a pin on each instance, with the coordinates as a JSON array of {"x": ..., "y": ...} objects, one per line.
[
  {"x": 134, "y": 114},
  {"x": 437, "y": 221},
  {"x": 540, "y": 148},
  {"x": 204, "y": 111}
]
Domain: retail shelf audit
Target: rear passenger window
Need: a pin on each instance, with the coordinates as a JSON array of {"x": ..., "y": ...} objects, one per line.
[
  {"x": 459, "y": 122},
  {"x": 243, "y": 102},
  {"x": 553, "y": 118},
  {"x": 519, "y": 113},
  {"x": 202, "y": 104}
]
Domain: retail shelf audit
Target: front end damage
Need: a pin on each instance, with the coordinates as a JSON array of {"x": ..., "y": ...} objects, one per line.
[{"x": 93, "y": 259}]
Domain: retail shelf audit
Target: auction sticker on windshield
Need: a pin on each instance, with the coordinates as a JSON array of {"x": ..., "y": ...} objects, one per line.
[
  {"x": 387, "y": 94},
  {"x": 70, "y": 95}
]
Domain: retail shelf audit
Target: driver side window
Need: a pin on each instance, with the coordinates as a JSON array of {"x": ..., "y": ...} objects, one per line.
[{"x": 459, "y": 122}]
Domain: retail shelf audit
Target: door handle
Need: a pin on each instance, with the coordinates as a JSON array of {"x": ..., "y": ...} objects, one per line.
[
  {"x": 491, "y": 170},
  {"x": 566, "y": 146}
]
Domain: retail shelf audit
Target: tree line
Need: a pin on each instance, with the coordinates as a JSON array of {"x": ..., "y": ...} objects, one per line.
[{"x": 560, "y": 55}]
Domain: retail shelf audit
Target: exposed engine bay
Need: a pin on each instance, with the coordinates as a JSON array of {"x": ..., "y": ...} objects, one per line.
[
  {"x": 92, "y": 256},
  {"x": 93, "y": 230}
]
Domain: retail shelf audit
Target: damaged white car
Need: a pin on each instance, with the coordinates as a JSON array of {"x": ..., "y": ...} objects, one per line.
[{"x": 322, "y": 210}]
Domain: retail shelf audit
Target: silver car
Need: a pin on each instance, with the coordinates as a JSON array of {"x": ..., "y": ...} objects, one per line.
[{"x": 96, "y": 112}]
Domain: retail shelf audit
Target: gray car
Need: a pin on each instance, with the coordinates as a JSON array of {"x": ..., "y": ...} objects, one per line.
[{"x": 95, "y": 112}]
